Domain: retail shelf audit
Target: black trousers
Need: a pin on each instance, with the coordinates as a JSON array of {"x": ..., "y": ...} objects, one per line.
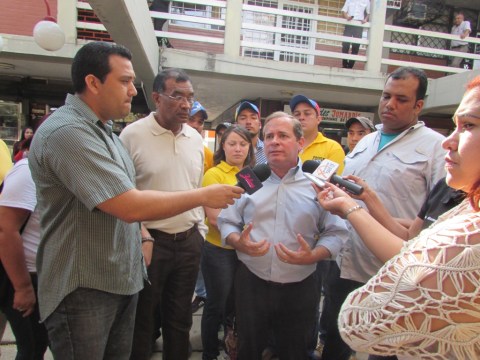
[
  {"x": 285, "y": 310},
  {"x": 336, "y": 291},
  {"x": 352, "y": 31},
  {"x": 172, "y": 275}
]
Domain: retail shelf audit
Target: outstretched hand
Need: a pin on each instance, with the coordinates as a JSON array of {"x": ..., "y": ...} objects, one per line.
[
  {"x": 334, "y": 199},
  {"x": 221, "y": 195}
]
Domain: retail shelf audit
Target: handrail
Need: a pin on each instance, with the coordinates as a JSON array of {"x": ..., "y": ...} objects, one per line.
[{"x": 314, "y": 47}]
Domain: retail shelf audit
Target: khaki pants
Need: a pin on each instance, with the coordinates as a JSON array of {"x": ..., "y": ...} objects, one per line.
[{"x": 456, "y": 61}]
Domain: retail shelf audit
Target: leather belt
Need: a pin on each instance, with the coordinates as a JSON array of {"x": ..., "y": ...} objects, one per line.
[{"x": 174, "y": 237}]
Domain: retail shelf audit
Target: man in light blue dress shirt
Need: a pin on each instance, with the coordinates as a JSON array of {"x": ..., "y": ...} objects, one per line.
[{"x": 280, "y": 233}]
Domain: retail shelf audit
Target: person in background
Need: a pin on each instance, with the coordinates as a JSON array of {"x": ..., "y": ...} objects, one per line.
[
  {"x": 280, "y": 233},
  {"x": 462, "y": 29},
  {"x": 247, "y": 115},
  {"x": 19, "y": 240},
  {"x": 355, "y": 11},
  {"x": 219, "y": 130},
  {"x": 357, "y": 128},
  {"x": 23, "y": 152},
  {"x": 89, "y": 261},
  {"x": 27, "y": 133},
  {"x": 5, "y": 165},
  {"x": 197, "y": 118},
  {"x": 316, "y": 147},
  {"x": 5, "y": 161},
  {"x": 423, "y": 303},
  {"x": 219, "y": 262}
]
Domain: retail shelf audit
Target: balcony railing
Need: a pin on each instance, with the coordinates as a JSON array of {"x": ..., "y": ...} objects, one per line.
[{"x": 293, "y": 35}]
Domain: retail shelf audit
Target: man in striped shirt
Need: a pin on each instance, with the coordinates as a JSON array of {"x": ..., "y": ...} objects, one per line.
[{"x": 89, "y": 261}]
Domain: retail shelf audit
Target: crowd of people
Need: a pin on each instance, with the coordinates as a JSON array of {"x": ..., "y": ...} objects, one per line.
[{"x": 102, "y": 237}]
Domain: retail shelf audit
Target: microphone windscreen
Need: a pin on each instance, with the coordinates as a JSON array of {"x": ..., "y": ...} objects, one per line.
[
  {"x": 309, "y": 166},
  {"x": 262, "y": 171}
]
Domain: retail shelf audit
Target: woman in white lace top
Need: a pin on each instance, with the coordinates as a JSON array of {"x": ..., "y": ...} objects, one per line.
[{"x": 424, "y": 303}]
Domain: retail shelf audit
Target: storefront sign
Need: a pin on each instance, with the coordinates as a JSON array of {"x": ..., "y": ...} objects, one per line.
[{"x": 341, "y": 116}]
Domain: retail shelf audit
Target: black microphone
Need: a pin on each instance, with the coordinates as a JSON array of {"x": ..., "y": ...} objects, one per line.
[
  {"x": 251, "y": 179},
  {"x": 325, "y": 171}
]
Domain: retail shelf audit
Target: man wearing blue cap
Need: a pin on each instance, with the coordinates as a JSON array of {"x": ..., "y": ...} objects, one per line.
[
  {"x": 317, "y": 146},
  {"x": 198, "y": 116},
  {"x": 247, "y": 115}
]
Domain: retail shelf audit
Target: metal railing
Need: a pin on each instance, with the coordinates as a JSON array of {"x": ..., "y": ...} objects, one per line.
[{"x": 275, "y": 38}]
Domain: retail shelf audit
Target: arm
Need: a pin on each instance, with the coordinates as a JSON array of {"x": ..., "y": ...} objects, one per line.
[
  {"x": 465, "y": 33},
  {"x": 13, "y": 257},
  {"x": 147, "y": 245},
  {"x": 135, "y": 205},
  {"x": 381, "y": 242},
  {"x": 378, "y": 211},
  {"x": 212, "y": 215},
  {"x": 397, "y": 311}
]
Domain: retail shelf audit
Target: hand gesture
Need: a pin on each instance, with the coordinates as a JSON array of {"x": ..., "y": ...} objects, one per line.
[
  {"x": 302, "y": 256},
  {"x": 249, "y": 247},
  {"x": 221, "y": 195}
]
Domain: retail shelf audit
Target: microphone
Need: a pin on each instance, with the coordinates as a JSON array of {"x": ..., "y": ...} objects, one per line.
[
  {"x": 251, "y": 179},
  {"x": 320, "y": 173}
]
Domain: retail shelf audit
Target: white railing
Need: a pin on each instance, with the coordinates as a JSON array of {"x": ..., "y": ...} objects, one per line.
[{"x": 273, "y": 32}]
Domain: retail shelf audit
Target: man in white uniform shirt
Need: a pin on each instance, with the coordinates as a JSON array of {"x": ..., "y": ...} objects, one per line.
[
  {"x": 168, "y": 155},
  {"x": 462, "y": 29},
  {"x": 356, "y": 12}
]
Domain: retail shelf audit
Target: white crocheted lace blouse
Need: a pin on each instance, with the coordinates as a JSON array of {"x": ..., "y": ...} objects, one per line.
[{"x": 423, "y": 303}]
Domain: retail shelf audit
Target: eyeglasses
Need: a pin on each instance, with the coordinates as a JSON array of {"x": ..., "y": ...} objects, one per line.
[{"x": 180, "y": 98}]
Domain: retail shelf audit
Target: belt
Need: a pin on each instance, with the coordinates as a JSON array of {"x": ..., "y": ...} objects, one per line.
[
  {"x": 457, "y": 46},
  {"x": 174, "y": 237}
]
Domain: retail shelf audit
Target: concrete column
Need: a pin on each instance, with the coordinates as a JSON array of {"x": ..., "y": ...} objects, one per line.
[
  {"x": 67, "y": 19},
  {"x": 233, "y": 28},
  {"x": 378, "y": 12}
]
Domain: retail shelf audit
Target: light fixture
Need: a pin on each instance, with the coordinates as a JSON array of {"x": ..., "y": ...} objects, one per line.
[{"x": 47, "y": 34}]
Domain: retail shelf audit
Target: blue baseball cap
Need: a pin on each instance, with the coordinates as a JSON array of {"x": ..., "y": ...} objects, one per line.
[
  {"x": 246, "y": 105},
  {"x": 303, "y": 99},
  {"x": 196, "y": 107}
]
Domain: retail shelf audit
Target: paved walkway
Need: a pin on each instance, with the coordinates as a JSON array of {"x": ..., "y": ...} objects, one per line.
[{"x": 9, "y": 349}]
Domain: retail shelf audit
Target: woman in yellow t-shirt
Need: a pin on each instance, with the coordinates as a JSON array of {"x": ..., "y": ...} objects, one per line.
[{"x": 219, "y": 262}]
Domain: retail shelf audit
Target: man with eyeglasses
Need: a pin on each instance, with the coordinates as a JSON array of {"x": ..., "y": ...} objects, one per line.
[{"x": 168, "y": 155}]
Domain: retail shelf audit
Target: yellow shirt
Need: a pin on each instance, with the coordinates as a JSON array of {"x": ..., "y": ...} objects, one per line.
[
  {"x": 324, "y": 148},
  {"x": 220, "y": 174},
  {"x": 207, "y": 158},
  {"x": 5, "y": 160}
]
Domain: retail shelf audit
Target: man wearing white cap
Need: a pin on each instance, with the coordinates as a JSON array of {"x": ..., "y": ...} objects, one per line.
[
  {"x": 357, "y": 128},
  {"x": 247, "y": 115}
]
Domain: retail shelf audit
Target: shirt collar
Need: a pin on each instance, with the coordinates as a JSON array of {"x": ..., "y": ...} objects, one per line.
[{"x": 157, "y": 129}]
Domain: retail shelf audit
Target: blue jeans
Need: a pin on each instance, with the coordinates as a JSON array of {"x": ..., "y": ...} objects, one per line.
[
  {"x": 200, "y": 289},
  {"x": 92, "y": 324},
  {"x": 218, "y": 267},
  {"x": 336, "y": 291}
]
